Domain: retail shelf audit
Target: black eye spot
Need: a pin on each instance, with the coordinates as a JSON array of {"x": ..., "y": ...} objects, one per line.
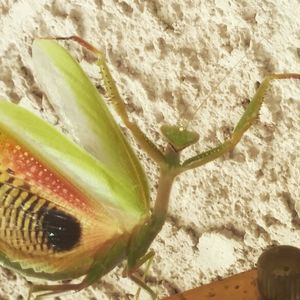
[{"x": 62, "y": 230}]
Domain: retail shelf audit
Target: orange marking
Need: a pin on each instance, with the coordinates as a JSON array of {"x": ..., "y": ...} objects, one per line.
[{"x": 33, "y": 171}]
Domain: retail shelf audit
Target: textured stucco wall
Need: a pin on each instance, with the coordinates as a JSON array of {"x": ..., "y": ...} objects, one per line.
[{"x": 166, "y": 56}]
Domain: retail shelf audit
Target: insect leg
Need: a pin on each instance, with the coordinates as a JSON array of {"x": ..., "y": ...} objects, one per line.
[
  {"x": 147, "y": 268},
  {"x": 52, "y": 290},
  {"x": 140, "y": 262},
  {"x": 143, "y": 285},
  {"x": 247, "y": 119},
  {"x": 119, "y": 105},
  {"x": 148, "y": 258}
]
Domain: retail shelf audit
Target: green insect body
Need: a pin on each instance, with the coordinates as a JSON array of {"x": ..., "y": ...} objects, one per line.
[{"x": 71, "y": 209}]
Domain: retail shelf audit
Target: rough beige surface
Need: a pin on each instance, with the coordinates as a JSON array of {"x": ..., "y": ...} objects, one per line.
[{"x": 162, "y": 54}]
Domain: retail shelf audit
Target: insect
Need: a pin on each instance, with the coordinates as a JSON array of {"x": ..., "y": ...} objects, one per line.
[{"x": 72, "y": 209}]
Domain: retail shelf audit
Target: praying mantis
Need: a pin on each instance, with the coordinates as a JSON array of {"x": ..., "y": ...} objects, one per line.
[{"x": 79, "y": 209}]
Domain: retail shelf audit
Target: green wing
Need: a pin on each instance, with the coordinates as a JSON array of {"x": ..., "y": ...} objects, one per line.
[
  {"x": 58, "y": 204},
  {"x": 88, "y": 119},
  {"x": 73, "y": 163}
]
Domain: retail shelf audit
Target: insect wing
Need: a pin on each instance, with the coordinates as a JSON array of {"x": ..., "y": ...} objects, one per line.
[
  {"x": 87, "y": 117},
  {"x": 48, "y": 217}
]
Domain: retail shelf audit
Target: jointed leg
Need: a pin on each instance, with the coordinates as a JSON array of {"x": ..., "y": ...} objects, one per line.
[
  {"x": 115, "y": 98},
  {"x": 51, "y": 290},
  {"x": 148, "y": 258},
  {"x": 140, "y": 262},
  {"x": 245, "y": 122},
  {"x": 142, "y": 285},
  {"x": 149, "y": 262}
]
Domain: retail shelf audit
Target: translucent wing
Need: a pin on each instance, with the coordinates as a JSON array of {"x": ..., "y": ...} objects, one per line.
[{"x": 88, "y": 119}]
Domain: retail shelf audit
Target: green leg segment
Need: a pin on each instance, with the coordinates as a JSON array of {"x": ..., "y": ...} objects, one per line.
[
  {"x": 247, "y": 119},
  {"x": 148, "y": 258},
  {"x": 142, "y": 285},
  {"x": 51, "y": 290}
]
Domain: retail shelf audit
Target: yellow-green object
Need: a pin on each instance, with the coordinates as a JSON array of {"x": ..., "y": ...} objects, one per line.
[{"x": 71, "y": 209}]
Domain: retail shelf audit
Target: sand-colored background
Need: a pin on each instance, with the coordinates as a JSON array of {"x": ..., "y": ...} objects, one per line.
[{"x": 162, "y": 54}]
